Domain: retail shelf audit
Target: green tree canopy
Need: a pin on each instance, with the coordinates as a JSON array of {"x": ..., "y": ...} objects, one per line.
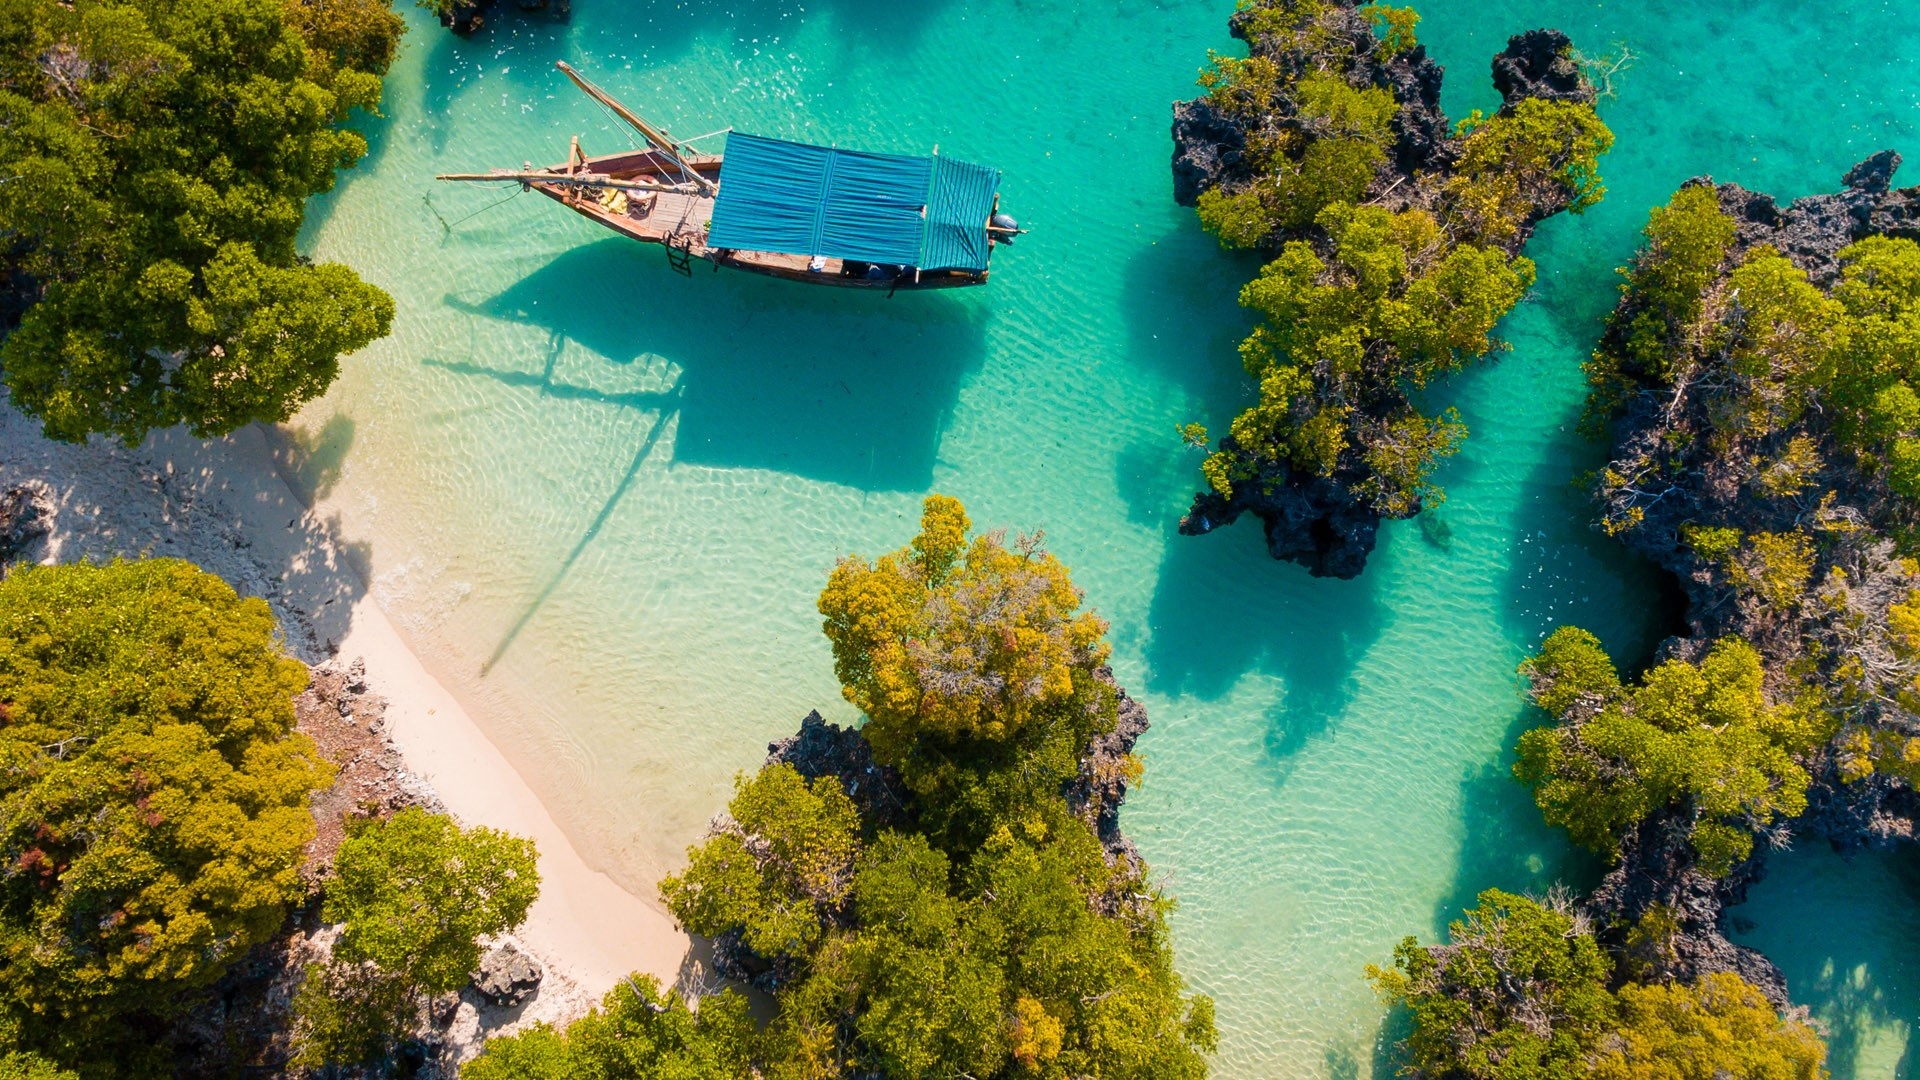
[
  {"x": 1702, "y": 737},
  {"x": 973, "y": 663},
  {"x": 1721, "y": 1026},
  {"x": 1520, "y": 992},
  {"x": 779, "y": 866},
  {"x": 160, "y": 155},
  {"x": 1382, "y": 279},
  {"x": 988, "y": 931},
  {"x": 415, "y": 893},
  {"x": 637, "y": 1033},
  {"x": 154, "y": 792}
]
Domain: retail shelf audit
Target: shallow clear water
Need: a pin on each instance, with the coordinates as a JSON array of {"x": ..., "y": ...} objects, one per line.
[{"x": 602, "y": 497}]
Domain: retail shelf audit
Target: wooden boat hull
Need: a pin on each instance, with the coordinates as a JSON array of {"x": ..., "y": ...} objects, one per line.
[{"x": 677, "y": 220}]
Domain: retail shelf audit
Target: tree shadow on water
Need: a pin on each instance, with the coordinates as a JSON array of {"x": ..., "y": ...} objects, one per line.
[
  {"x": 1507, "y": 844},
  {"x": 1184, "y": 318},
  {"x": 841, "y": 386},
  {"x": 1841, "y": 930},
  {"x": 1223, "y": 609}
]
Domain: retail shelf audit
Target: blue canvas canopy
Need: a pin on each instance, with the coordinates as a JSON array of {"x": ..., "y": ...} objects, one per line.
[{"x": 929, "y": 212}]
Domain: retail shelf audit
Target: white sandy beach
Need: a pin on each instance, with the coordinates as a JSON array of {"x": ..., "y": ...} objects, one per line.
[{"x": 224, "y": 505}]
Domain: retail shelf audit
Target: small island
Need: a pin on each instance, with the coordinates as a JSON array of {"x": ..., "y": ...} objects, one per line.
[
  {"x": 945, "y": 890},
  {"x": 1757, "y": 383},
  {"x": 1394, "y": 238}
]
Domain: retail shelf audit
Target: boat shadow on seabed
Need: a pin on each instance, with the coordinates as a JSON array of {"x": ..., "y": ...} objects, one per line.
[{"x": 840, "y": 387}]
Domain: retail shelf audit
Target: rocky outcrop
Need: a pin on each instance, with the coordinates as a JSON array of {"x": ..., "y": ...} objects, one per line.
[
  {"x": 1812, "y": 230},
  {"x": 507, "y": 976},
  {"x": 1316, "y": 521},
  {"x": 1541, "y": 64},
  {"x": 347, "y": 720},
  {"x": 822, "y": 749},
  {"x": 468, "y": 16},
  {"x": 26, "y": 516},
  {"x": 1324, "y": 522},
  {"x": 1208, "y": 149},
  {"x": 1657, "y": 884},
  {"x": 1097, "y": 792},
  {"x": 1675, "y": 471}
]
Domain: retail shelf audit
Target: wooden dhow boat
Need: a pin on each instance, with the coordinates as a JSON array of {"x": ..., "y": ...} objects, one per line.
[{"x": 813, "y": 214}]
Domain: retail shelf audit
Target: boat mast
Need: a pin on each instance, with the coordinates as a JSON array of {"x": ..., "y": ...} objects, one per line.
[
  {"x": 654, "y": 135},
  {"x": 584, "y": 180}
]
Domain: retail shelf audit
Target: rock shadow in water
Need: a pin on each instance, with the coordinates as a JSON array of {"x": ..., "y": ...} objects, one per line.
[
  {"x": 833, "y": 385},
  {"x": 1507, "y": 845},
  {"x": 1219, "y": 612}
]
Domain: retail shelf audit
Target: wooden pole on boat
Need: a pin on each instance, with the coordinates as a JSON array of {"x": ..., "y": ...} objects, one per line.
[
  {"x": 660, "y": 140},
  {"x": 565, "y": 180}
]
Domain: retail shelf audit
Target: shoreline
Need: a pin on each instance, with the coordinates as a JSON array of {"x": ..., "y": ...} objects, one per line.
[{"x": 226, "y": 505}]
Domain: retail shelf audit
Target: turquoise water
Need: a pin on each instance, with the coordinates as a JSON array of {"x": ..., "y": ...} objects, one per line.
[{"x": 602, "y": 498}]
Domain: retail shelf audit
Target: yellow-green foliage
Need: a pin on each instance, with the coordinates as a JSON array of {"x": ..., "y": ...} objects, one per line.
[
  {"x": 1511, "y": 163},
  {"x": 414, "y": 894},
  {"x": 1790, "y": 348},
  {"x": 1862, "y": 751},
  {"x": 1400, "y": 457},
  {"x": 1782, "y": 343},
  {"x": 1715, "y": 544},
  {"x": 638, "y": 1032},
  {"x": 1703, "y": 736},
  {"x": 1775, "y": 566},
  {"x": 154, "y": 791},
  {"x": 984, "y": 932},
  {"x": 1687, "y": 241},
  {"x": 1721, "y": 1026},
  {"x": 159, "y": 155},
  {"x": 954, "y": 639},
  {"x": 1396, "y": 306},
  {"x": 1240, "y": 219},
  {"x": 1791, "y": 471},
  {"x": 1395, "y": 28},
  {"x": 1520, "y": 993},
  {"x": 785, "y": 860},
  {"x": 1362, "y": 304}
]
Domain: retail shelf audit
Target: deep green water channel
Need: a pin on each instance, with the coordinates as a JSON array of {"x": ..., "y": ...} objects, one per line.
[{"x": 602, "y": 497}]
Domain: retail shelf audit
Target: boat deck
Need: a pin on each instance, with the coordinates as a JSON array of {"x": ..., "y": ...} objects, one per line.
[{"x": 679, "y": 220}]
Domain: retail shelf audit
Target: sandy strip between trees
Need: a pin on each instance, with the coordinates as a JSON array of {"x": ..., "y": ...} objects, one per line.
[{"x": 225, "y": 505}]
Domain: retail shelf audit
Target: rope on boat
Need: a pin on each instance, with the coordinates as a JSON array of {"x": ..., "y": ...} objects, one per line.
[
  {"x": 448, "y": 225},
  {"x": 708, "y": 135},
  {"x": 617, "y": 122}
]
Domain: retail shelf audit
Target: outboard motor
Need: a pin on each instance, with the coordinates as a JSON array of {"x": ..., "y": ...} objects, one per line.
[{"x": 1004, "y": 227}]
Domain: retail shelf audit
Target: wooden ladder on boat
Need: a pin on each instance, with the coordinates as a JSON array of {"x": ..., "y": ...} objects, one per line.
[{"x": 680, "y": 253}]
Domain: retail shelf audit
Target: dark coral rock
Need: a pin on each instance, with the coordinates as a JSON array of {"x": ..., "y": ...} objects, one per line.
[
  {"x": 1208, "y": 150},
  {"x": 1874, "y": 176},
  {"x": 26, "y": 514},
  {"x": 822, "y": 749},
  {"x": 1096, "y": 793},
  {"x": 1657, "y": 871},
  {"x": 1540, "y": 64},
  {"x": 1316, "y": 521},
  {"x": 1423, "y": 134},
  {"x": 1813, "y": 230}
]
